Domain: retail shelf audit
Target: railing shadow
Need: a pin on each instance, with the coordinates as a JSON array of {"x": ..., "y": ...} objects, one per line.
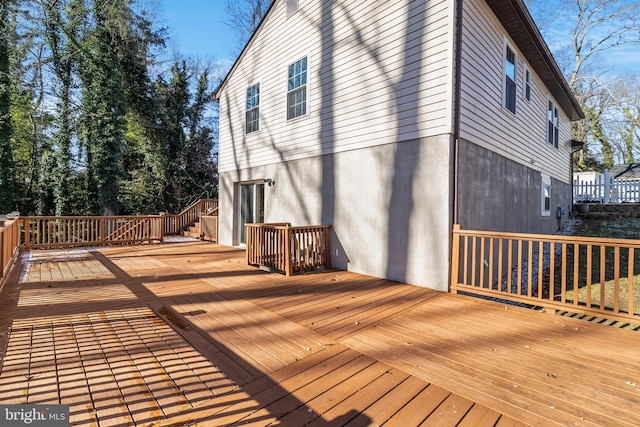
[{"x": 242, "y": 404}]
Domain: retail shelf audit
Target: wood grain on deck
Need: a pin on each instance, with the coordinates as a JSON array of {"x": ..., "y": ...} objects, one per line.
[{"x": 186, "y": 333}]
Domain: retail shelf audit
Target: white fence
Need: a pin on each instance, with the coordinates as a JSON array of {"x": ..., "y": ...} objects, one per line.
[{"x": 605, "y": 189}]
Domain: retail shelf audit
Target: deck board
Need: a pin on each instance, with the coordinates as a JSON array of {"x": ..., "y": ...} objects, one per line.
[{"x": 186, "y": 333}]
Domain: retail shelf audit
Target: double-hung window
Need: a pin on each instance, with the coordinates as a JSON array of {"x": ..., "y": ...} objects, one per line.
[
  {"x": 297, "y": 89},
  {"x": 552, "y": 124},
  {"x": 527, "y": 84},
  {"x": 252, "y": 115},
  {"x": 509, "y": 79}
]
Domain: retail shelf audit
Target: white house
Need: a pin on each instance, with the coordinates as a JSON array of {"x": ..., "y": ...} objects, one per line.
[{"x": 393, "y": 120}]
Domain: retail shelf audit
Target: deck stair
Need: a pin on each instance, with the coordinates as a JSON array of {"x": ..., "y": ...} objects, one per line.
[
  {"x": 194, "y": 230},
  {"x": 205, "y": 226}
]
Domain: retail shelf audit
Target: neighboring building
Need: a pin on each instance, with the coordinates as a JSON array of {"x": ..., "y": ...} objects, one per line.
[
  {"x": 626, "y": 171},
  {"x": 393, "y": 120}
]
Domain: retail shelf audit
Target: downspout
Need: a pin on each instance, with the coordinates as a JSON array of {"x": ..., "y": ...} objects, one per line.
[
  {"x": 456, "y": 135},
  {"x": 456, "y": 97}
]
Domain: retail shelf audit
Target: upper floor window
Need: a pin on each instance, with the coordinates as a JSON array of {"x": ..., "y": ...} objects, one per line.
[
  {"x": 552, "y": 124},
  {"x": 297, "y": 89},
  {"x": 527, "y": 84},
  {"x": 252, "y": 115},
  {"x": 509, "y": 79}
]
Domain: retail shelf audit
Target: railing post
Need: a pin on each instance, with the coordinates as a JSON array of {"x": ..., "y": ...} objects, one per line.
[
  {"x": 607, "y": 186},
  {"x": 247, "y": 233},
  {"x": 24, "y": 225},
  {"x": 2, "y": 243},
  {"x": 103, "y": 231},
  {"x": 327, "y": 246},
  {"x": 288, "y": 266},
  {"x": 455, "y": 257}
]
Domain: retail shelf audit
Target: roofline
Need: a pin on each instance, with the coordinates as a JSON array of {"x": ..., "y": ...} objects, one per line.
[
  {"x": 216, "y": 93},
  {"x": 536, "y": 51}
]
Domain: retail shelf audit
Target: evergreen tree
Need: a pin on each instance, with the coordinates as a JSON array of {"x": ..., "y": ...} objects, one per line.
[
  {"x": 114, "y": 142},
  {"x": 7, "y": 188},
  {"x": 61, "y": 40}
]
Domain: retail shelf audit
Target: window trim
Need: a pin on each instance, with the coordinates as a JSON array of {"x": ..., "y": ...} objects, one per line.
[
  {"x": 297, "y": 88},
  {"x": 505, "y": 50},
  {"x": 545, "y": 182},
  {"x": 256, "y": 108},
  {"x": 552, "y": 121}
]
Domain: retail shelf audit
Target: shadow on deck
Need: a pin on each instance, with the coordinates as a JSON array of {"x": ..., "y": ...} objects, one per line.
[{"x": 185, "y": 333}]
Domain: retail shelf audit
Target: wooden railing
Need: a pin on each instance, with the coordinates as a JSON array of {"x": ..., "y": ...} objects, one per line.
[
  {"x": 588, "y": 275},
  {"x": 9, "y": 244},
  {"x": 173, "y": 223},
  {"x": 68, "y": 231},
  {"x": 281, "y": 247},
  {"x": 209, "y": 228}
]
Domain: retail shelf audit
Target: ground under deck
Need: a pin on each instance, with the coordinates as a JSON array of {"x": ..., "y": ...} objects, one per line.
[{"x": 185, "y": 333}]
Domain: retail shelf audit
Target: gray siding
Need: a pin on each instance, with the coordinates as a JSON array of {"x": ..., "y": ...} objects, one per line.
[
  {"x": 374, "y": 66},
  {"x": 520, "y": 137},
  {"x": 498, "y": 194}
]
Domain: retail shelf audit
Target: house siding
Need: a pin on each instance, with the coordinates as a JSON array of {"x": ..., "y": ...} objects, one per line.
[
  {"x": 375, "y": 154},
  {"x": 372, "y": 67},
  {"x": 387, "y": 221},
  {"x": 498, "y": 194},
  {"x": 520, "y": 137}
]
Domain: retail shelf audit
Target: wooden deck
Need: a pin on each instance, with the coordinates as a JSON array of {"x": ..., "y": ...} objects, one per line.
[{"x": 186, "y": 334}]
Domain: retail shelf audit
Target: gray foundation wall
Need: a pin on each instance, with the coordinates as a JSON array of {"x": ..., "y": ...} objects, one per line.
[
  {"x": 390, "y": 206},
  {"x": 498, "y": 194}
]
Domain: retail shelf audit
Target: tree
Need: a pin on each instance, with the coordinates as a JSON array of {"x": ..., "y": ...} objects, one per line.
[
  {"x": 597, "y": 28},
  {"x": 83, "y": 130},
  {"x": 7, "y": 189},
  {"x": 245, "y": 16},
  {"x": 62, "y": 39},
  {"x": 626, "y": 95},
  {"x": 115, "y": 82}
]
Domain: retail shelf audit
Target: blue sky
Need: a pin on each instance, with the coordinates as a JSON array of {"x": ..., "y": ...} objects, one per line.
[{"x": 196, "y": 29}]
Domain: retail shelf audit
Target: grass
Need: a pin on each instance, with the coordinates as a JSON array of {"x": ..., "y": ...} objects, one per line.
[{"x": 623, "y": 228}]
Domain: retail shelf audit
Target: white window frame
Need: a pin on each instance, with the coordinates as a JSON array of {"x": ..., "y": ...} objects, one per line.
[
  {"x": 545, "y": 195},
  {"x": 509, "y": 78},
  {"x": 254, "y": 109},
  {"x": 552, "y": 123},
  {"x": 302, "y": 88},
  {"x": 526, "y": 84}
]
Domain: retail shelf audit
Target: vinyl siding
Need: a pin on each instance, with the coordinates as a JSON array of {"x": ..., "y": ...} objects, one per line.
[
  {"x": 379, "y": 72},
  {"x": 521, "y": 137}
]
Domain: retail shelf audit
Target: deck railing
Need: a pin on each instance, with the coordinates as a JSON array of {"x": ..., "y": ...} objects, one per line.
[
  {"x": 588, "y": 275},
  {"x": 173, "y": 223},
  {"x": 209, "y": 228},
  {"x": 68, "y": 231},
  {"x": 279, "y": 246},
  {"x": 9, "y": 244}
]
